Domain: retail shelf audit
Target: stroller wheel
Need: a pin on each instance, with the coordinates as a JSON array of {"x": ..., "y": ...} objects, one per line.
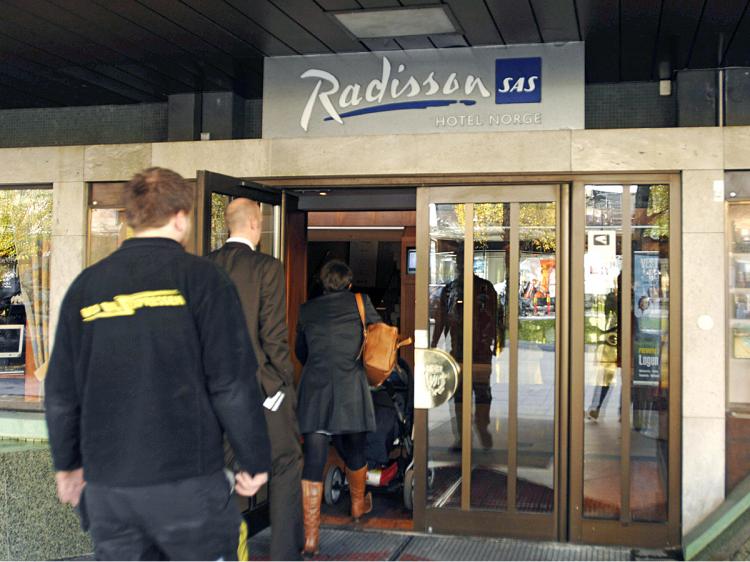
[
  {"x": 333, "y": 485},
  {"x": 409, "y": 489}
]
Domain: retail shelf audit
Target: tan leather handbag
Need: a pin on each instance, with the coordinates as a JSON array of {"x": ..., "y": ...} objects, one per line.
[{"x": 380, "y": 346}]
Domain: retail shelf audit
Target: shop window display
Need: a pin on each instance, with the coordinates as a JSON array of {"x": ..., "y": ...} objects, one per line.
[
  {"x": 25, "y": 249},
  {"x": 738, "y": 353}
]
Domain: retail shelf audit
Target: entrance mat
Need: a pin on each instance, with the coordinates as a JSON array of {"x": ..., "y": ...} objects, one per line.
[
  {"x": 348, "y": 544},
  {"x": 476, "y": 548},
  {"x": 341, "y": 544},
  {"x": 489, "y": 490}
]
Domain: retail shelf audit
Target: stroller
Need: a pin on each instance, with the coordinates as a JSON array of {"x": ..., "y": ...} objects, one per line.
[{"x": 390, "y": 448}]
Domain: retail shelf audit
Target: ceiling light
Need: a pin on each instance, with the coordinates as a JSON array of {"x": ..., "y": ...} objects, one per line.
[
  {"x": 322, "y": 193},
  {"x": 399, "y": 22}
]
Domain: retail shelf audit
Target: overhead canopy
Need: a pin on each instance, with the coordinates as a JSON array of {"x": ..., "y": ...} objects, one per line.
[{"x": 90, "y": 52}]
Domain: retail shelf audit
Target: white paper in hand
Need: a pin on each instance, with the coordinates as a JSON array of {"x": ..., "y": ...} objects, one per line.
[{"x": 274, "y": 402}]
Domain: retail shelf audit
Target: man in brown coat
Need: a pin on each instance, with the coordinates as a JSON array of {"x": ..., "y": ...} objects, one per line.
[{"x": 260, "y": 282}]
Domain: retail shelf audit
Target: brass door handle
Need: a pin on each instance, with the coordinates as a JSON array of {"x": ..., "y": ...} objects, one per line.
[{"x": 436, "y": 375}]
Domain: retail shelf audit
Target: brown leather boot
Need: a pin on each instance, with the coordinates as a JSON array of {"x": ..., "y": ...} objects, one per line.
[
  {"x": 312, "y": 494},
  {"x": 361, "y": 503}
]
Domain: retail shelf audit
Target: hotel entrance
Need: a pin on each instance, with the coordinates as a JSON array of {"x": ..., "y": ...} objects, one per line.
[{"x": 558, "y": 302}]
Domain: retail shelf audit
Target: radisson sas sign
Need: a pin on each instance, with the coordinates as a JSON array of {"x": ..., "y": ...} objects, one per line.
[{"x": 524, "y": 87}]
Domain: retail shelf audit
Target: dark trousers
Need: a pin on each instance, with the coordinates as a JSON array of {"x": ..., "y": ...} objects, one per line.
[
  {"x": 192, "y": 519},
  {"x": 285, "y": 489}
]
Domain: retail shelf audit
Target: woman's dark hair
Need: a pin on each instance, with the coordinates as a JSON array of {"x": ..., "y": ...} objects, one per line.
[{"x": 336, "y": 276}]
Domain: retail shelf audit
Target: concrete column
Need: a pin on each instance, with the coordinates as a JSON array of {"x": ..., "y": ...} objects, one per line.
[
  {"x": 69, "y": 223},
  {"x": 703, "y": 355}
]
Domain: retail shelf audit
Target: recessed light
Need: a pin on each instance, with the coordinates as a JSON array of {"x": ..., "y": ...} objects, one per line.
[
  {"x": 323, "y": 193},
  {"x": 398, "y": 22}
]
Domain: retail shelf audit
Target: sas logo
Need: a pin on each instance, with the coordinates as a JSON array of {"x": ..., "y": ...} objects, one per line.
[{"x": 518, "y": 80}]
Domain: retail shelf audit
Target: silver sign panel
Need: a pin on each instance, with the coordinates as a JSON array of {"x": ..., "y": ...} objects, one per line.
[{"x": 524, "y": 87}]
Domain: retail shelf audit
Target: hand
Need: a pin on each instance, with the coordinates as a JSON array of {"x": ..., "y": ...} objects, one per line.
[
  {"x": 248, "y": 485},
  {"x": 70, "y": 484}
]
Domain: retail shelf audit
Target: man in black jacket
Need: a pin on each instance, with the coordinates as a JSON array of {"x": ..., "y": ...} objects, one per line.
[
  {"x": 259, "y": 279},
  {"x": 149, "y": 369}
]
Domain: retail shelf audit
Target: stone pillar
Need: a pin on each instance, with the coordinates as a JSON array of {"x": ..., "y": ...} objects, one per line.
[
  {"x": 69, "y": 224},
  {"x": 703, "y": 355}
]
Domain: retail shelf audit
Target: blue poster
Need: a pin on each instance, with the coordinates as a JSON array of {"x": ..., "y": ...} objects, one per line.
[{"x": 648, "y": 317}]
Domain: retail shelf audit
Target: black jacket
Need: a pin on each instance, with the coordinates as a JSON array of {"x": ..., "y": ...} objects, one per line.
[
  {"x": 260, "y": 282},
  {"x": 333, "y": 393},
  {"x": 150, "y": 366}
]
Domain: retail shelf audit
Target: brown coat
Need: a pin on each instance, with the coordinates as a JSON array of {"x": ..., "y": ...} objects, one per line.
[{"x": 259, "y": 279}]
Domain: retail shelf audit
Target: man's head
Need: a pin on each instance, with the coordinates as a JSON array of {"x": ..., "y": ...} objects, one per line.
[
  {"x": 244, "y": 219},
  {"x": 159, "y": 202}
]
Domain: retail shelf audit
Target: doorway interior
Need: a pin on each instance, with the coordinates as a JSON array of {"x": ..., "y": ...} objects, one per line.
[{"x": 535, "y": 468}]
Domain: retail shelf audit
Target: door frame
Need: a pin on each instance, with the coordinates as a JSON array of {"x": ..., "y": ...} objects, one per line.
[
  {"x": 599, "y": 531},
  {"x": 624, "y": 531},
  {"x": 466, "y": 520}
]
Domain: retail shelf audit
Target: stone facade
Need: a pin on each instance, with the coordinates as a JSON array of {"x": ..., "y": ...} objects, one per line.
[{"x": 701, "y": 155}]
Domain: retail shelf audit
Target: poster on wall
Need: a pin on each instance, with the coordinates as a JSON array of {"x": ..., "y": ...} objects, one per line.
[
  {"x": 648, "y": 318},
  {"x": 494, "y": 88}
]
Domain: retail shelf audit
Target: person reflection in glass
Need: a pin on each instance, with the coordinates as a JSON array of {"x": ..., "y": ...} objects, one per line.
[
  {"x": 486, "y": 326},
  {"x": 607, "y": 351}
]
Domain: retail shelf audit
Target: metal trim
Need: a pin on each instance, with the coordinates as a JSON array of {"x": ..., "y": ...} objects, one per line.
[
  {"x": 468, "y": 363},
  {"x": 515, "y": 253},
  {"x": 626, "y": 362}
]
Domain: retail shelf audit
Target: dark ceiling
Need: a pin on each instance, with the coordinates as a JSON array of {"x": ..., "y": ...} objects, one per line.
[{"x": 89, "y": 52}]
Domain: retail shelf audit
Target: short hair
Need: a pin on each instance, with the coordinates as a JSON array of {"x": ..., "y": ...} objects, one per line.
[
  {"x": 336, "y": 276},
  {"x": 154, "y": 196}
]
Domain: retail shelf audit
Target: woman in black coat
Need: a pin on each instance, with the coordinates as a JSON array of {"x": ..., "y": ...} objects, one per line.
[{"x": 333, "y": 395}]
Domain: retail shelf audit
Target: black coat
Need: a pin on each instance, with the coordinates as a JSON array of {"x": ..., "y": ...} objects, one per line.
[{"x": 333, "y": 394}]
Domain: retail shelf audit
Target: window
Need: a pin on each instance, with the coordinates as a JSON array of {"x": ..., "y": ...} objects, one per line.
[
  {"x": 738, "y": 353},
  {"x": 25, "y": 248}
]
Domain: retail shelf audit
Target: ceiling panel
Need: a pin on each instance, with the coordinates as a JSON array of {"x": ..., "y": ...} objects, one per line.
[
  {"x": 679, "y": 21},
  {"x": 280, "y": 25},
  {"x": 717, "y": 25},
  {"x": 557, "y": 20},
  {"x": 379, "y": 3},
  {"x": 639, "y": 21},
  {"x": 600, "y": 28},
  {"x": 332, "y": 5},
  {"x": 448, "y": 41},
  {"x": 415, "y": 42},
  {"x": 515, "y": 21},
  {"x": 311, "y": 17},
  {"x": 164, "y": 78},
  {"x": 382, "y": 44},
  {"x": 43, "y": 65},
  {"x": 227, "y": 17},
  {"x": 476, "y": 22},
  {"x": 738, "y": 50},
  {"x": 169, "y": 57}
]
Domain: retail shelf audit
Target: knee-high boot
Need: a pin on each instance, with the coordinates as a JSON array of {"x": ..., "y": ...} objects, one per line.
[
  {"x": 361, "y": 503},
  {"x": 312, "y": 494}
]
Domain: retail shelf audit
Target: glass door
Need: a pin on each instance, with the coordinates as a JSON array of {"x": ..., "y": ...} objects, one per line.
[
  {"x": 625, "y": 332},
  {"x": 490, "y": 291},
  {"x": 216, "y": 191}
]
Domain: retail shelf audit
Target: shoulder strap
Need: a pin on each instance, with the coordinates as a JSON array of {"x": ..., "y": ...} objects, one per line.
[{"x": 361, "y": 309}]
